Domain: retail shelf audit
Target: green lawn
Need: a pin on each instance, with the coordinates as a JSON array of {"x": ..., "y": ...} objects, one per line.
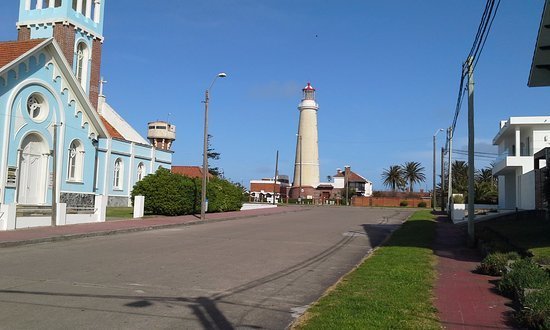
[
  {"x": 120, "y": 212},
  {"x": 530, "y": 234},
  {"x": 391, "y": 290}
]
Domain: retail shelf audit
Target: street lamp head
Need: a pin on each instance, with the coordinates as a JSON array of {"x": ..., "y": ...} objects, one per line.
[
  {"x": 222, "y": 75},
  {"x": 437, "y": 132}
]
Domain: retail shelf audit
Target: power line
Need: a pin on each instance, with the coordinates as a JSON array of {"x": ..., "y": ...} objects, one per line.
[{"x": 486, "y": 22}]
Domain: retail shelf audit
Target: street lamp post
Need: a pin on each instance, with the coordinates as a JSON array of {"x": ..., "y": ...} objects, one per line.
[
  {"x": 205, "y": 146},
  {"x": 433, "y": 191}
]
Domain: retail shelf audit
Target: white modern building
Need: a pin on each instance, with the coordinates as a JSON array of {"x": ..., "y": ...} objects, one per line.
[{"x": 518, "y": 139}]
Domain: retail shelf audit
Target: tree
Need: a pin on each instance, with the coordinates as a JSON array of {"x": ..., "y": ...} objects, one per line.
[
  {"x": 213, "y": 155},
  {"x": 413, "y": 172},
  {"x": 460, "y": 177},
  {"x": 486, "y": 186},
  {"x": 393, "y": 177}
]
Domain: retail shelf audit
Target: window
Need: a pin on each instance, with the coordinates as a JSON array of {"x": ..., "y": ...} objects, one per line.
[
  {"x": 57, "y": 3},
  {"x": 37, "y": 107},
  {"x": 82, "y": 58},
  {"x": 140, "y": 171},
  {"x": 76, "y": 161},
  {"x": 117, "y": 175}
]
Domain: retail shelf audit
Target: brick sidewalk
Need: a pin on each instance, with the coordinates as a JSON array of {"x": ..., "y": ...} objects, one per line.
[
  {"x": 465, "y": 300},
  {"x": 60, "y": 233}
]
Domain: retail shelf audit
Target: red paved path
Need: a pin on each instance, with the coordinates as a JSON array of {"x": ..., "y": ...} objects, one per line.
[
  {"x": 465, "y": 300},
  {"x": 49, "y": 234}
]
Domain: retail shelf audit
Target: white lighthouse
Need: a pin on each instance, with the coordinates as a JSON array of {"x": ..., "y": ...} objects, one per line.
[{"x": 306, "y": 165}]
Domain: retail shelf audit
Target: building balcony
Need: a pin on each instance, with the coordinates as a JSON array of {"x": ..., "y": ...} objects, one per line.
[{"x": 505, "y": 164}]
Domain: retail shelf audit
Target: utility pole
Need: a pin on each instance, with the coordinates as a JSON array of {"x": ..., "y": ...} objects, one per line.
[
  {"x": 204, "y": 206},
  {"x": 450, "y": 188},
  {"x": 442, "y": 179},
  {"x": 275, "y": 180},
  {"x": 54, "y": 177},
  {"x": 434, "y": 198},
  {"x": 471, "y": 160}
]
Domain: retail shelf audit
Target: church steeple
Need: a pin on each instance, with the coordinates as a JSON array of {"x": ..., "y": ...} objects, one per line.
[{"x": 77, "y": 26}]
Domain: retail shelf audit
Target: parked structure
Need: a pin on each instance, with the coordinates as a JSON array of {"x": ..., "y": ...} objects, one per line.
[{"x": 62, "y": 147}]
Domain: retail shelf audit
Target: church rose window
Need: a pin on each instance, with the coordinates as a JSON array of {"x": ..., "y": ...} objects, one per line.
[{"x": 37, "y": 107}]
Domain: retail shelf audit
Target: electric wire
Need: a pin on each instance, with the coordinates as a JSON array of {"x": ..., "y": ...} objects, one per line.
[{"x": 486, "y": 22}]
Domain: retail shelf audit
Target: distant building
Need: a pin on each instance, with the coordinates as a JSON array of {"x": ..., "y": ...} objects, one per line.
[
  {"x": 190, "y": 171},
  {"x": 362, "y": 186},
  {"x": 263, "y": 190}
]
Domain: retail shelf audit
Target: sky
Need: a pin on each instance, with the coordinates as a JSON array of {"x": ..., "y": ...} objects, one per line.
[{"x": 386, "y": 74}]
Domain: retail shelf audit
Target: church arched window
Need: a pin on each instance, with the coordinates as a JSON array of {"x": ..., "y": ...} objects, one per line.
[
  {"x": 76, "y": 161},
  {"x": 117, "y": 174},
  {"x": 82, "y": 58},
  {"x": 140, "y": 171}
]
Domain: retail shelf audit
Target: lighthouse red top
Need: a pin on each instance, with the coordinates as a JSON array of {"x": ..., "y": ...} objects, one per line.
[
  {"x": 309, "y": 92},
  {"x": 309, "y": 87}
]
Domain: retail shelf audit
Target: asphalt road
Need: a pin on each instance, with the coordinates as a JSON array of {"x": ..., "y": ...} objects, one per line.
[{"x": 255, "y": 273}]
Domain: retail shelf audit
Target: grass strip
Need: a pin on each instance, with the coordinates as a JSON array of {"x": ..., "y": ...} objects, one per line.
[
  {"x": 120, "y": 212},
  {"x": 390, "y": 290}
]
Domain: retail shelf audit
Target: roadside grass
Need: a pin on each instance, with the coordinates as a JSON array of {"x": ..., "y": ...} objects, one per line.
[
  {"x": 390, "y": 290},
  {"x": 120, "y": 212},
  {"x": 530, "y": 234}
]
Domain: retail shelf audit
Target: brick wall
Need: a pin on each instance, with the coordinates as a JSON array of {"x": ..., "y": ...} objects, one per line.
[
  {"x": 389, "y": 201},
  {"x": 64, "y": 35},
  {"x": 23, "y": 34},
  {"x": 96, "y": 72}
]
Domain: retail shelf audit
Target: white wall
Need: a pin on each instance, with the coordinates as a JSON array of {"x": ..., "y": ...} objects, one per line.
[{"x": 527, "y": 191}]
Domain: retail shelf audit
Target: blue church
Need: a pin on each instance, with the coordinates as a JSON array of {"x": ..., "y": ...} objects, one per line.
[{"x": 65, "y": 154}]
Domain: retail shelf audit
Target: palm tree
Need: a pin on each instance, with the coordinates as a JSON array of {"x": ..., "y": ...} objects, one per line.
[
  {"x": 413, "y": 172},
  {"x": 460, "y": 177},
  {"x": 486, "y": 186},
  {"x": 393, "y": 177}
]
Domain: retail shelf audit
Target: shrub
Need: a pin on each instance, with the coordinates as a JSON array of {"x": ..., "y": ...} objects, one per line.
[
  {"x": 458, "y": 199},
  {"x": 168, "y": 194},
  {"x": 535, "y": 312},
  {"x": 495, "y": 263},
  {"x": 422, "y": 204},
  {"x": 403, "y": 203},
  {"x": 523, "y": 274},
  {"x": 223, "y": 196}
]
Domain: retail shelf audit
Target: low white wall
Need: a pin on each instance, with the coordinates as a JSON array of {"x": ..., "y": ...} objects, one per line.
[
  {"x": 73, "y": 219},
  {"x": 458, "y": 211},
  {"x": 30, "y": 222},
  {"x": 249, "y": 206},
  {"x": 139, "y": 206},
  {"x": 7, "y": 216}
]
